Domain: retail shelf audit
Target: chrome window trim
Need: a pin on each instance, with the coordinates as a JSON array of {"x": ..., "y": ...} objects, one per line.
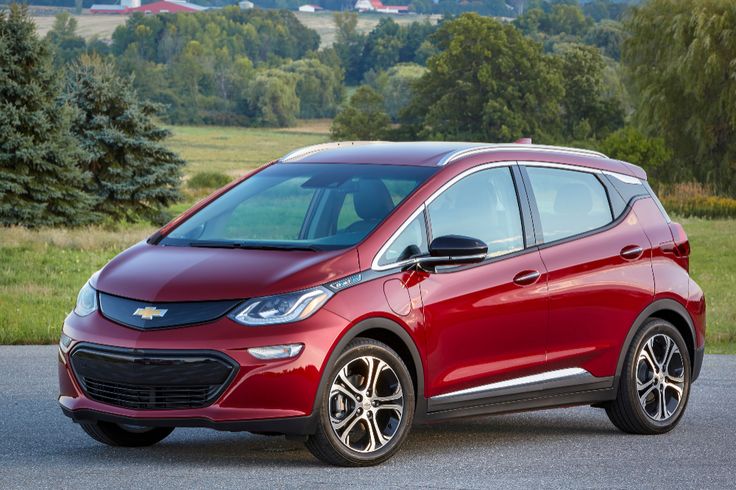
[
  {"x": 626, "y": 179},
  {"x": 470, "y": 171},
  {"x": 558, "y": 374}
]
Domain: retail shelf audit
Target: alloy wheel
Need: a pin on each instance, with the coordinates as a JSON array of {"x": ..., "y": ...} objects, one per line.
[
  {"x": 660, "y": 377},
  {"x": 366, "y": 404}
]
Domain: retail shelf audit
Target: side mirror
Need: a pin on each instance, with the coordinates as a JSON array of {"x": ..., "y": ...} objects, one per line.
[{"x": 454, "y": 250}]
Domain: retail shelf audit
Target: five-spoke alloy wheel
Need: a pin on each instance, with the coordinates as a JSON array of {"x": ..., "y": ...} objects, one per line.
[
  {"x": 655, "y": 381},
  {"x": 367, "y": 408}
]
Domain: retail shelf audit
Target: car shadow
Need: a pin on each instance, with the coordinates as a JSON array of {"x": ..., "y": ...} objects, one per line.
[{"x": 224, "y": 449}]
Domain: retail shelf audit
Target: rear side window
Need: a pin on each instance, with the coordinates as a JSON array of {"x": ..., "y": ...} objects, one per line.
[
  {"x": 569, "y": 202},
  {"x": 483, "y": 205}
]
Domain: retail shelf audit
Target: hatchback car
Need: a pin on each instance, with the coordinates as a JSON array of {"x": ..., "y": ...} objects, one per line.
[{"x": 349, "y": 290}]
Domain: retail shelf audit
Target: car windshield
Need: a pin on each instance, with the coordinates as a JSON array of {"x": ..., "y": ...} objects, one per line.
[{"x": 301, "y": 206}]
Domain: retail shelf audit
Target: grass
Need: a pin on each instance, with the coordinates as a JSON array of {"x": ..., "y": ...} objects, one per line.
[
  {"x": 713, "y": 266},
  {"x": 42, "y": 271},
  {"x": 234, "y": 151}
]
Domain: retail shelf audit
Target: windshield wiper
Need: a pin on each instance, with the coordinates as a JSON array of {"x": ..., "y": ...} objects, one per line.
[{"x": 251, "y": 246}]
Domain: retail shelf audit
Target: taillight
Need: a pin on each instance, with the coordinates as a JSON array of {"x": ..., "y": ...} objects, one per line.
[{"x": 680, "y": 246}]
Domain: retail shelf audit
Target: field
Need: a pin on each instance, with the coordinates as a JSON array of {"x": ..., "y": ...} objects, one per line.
[
  {"x": 103, "y": 26},
  {"x": 41, "y": 271},
  {"x": 234, "y": 151}
]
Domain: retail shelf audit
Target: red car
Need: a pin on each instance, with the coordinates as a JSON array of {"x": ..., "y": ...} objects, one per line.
[{"x": 349, "y": 290}]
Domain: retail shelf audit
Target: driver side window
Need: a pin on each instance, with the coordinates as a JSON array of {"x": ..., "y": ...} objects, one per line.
[{"x": 483, "y": 205}]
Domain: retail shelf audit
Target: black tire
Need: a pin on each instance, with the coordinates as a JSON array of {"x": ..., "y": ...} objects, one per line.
[
  {"x": 117, "y": 435},
  {"x": 627, "y": 412},
  {"x": 326, "y": 446}
]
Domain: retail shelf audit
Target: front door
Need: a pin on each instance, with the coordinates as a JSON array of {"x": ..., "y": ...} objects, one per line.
[{"x": 487, "y": 322}]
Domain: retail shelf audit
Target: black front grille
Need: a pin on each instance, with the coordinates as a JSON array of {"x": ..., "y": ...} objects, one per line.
[
  {"x": 151, "y": 379},
  {"x": 128, "y": 312},
  {"x": 150, "y": 397}
]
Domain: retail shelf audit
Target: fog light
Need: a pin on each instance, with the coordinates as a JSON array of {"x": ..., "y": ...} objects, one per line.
[
  {"x": 276, "y": 351},
  {"x": 65, "y": 342}
]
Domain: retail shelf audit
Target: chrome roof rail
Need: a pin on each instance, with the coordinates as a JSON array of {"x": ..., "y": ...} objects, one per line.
[
  {"x": 455, "y": 155},
  {"x": 309, "y": 150}
]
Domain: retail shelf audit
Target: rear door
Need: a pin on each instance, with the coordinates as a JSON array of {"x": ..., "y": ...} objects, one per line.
[{"x": 598, "y": 261}]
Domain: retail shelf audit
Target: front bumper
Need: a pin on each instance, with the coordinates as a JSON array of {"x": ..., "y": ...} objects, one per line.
[{"x": 261, "y": 396}]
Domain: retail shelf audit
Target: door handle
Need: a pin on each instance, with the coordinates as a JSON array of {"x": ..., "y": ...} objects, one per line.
[
  {"x": 526, "y": 278},
  {"x": 632, "y": 252}
]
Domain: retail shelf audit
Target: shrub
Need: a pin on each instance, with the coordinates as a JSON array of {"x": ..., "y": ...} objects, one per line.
[
  {"x": 208, "y": 180},
  {"x": 692, "y": 199}
]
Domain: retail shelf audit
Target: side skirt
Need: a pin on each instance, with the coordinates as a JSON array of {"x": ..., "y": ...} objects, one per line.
[{"x": 565, "y": 387}]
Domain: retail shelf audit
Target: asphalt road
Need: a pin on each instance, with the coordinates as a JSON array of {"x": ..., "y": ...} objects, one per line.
[{"x": 570, "y": 448}]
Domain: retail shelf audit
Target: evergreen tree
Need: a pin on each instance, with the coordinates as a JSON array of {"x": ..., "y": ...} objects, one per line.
[
  {"x": 40, "y": 183},
  {"x": 133, "y": 174}
]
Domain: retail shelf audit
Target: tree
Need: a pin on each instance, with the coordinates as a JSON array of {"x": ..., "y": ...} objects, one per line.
[
  {"x": 40, "y": 183},
  {"x": 652, "y": 154},
  {"x": 272, "y": 100},
  {"x": 680, "y": 57},
  {"x": 590, "y": 111},
  {"x": 363, "y": 118},
  {"x": 68, "y": 45},
  {"x": 488, "y": 82},
  {"x": 383, "y": 46},
  {"x": 133, "y": 174},
  {"x": 608, "y": 35},
  {"x": 349, "y": 45},
  {"x": 396, "y": 85},
  {"x": 319, "y": 88}
]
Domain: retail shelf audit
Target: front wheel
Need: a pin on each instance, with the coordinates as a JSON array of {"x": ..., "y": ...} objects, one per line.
[
  {"x": 125, "y": 435},
  {"x": 655, "y": 381},
  {"x": 367, "y": 409}
]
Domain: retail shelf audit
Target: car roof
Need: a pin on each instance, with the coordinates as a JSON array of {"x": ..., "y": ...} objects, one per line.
[{"x": 442, "y": 153}]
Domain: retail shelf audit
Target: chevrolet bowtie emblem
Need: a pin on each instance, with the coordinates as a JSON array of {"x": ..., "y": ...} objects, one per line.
[{"x": 149, "y": 312}]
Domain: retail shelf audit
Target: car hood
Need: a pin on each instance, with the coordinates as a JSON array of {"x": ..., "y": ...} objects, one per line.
[{"x": 166, "y": 273}]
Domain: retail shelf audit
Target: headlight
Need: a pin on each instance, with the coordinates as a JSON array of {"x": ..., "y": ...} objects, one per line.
[
  {"x": 282, "y": 308},
  {"x": 86, "y": 300}
]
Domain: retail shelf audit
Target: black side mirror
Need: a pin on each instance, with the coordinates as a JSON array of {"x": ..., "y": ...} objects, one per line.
[{"x": 454, "y": 250}]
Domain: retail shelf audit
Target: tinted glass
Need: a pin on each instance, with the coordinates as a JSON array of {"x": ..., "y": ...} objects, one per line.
[
  {"x": 410, "y": 242},
  {"x": 302, "y": 205},
  {"x": 569, "y": 202},
  {"x": 483, "y": 206}
]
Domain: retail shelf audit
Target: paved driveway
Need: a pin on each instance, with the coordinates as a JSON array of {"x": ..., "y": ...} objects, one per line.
[{"x": 568, "y": 448}]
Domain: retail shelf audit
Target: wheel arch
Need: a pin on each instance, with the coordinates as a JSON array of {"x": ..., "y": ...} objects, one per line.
[
  {"x": 390, "y": 333},
  {"x": 664, "y": 309}
]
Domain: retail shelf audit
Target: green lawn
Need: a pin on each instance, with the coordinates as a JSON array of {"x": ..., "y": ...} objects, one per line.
[
  {"x": 234, "y": 151},
  {"x": 41, "y": 271}
]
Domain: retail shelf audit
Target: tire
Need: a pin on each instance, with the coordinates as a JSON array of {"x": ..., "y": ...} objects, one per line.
[
  {"x": 644, "y": 377},
  {"x": 123, "y": 436},
  {"x": 348, "y": 407}
]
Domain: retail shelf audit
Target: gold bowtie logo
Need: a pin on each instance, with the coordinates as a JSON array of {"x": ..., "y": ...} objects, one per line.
[{"x": 149, "y": 312}]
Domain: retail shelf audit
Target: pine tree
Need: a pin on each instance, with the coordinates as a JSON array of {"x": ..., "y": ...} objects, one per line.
[
  {"x": 133, "y": 174},
  {"x": 40, "y": 183}
]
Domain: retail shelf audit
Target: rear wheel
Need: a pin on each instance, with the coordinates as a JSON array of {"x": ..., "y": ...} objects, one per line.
[
  {"x": 655, "y": 381},
  {"x": 367, "y": 409},
  {"x": 125, "y": 435}
]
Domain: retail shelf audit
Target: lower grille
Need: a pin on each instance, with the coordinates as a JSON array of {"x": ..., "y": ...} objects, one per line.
[
  {"x": 150, "y": 397},
  {"x": 151, "y": 380}
]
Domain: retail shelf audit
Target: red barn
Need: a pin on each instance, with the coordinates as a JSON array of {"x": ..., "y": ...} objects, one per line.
[{"x": 161, "y": 7}]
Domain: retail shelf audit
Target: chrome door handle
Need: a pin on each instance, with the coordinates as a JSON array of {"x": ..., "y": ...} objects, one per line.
[
  {"x": 526, "y": 278},
  {"x": 632, "y": 252}
]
